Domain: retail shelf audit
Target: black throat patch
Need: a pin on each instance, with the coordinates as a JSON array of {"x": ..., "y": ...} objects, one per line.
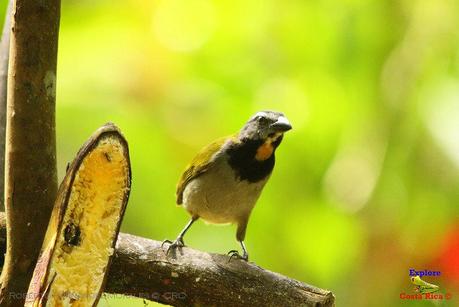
[{"x": 242, "y": 160}]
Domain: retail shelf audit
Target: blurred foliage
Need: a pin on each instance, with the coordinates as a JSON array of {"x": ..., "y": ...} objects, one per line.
[{"x": 365, "y": 186}]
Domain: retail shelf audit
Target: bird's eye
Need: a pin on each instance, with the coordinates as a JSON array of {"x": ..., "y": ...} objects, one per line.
[{"x": 262, "y": 119}]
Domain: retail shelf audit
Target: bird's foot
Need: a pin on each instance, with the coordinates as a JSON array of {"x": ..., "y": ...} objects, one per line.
[
  {"x": 166, "y": 241},
  {"x": 178, "y": 243},
  {"x": 235, "y": 254}
]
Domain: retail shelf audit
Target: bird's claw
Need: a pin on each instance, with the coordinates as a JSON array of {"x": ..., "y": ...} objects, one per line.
[
  {"x": 235, "y": 254},
  {"x": 178, "y": 243},
  {"x": 166, "y": 241}
]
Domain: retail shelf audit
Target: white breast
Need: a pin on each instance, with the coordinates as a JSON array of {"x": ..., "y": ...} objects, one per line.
[{"x": 217, "y": 196}]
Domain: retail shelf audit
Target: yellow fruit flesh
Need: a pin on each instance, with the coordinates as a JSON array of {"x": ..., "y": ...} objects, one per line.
[{"x": 84, "y": 242}]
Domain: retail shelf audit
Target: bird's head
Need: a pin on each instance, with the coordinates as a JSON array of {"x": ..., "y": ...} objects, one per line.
[
  {"x": 264, "y": 125},
  {"x": 267, "y": 129}
]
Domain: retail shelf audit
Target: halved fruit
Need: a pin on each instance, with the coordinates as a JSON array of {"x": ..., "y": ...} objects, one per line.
[{"x": 84, "y": 225}]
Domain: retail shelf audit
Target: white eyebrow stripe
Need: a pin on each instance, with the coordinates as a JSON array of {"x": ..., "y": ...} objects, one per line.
[{"x": 261, "y": 113}]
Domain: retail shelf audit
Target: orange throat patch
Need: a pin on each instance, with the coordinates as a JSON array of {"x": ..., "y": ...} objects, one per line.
[{"x": 264, "y": 151}]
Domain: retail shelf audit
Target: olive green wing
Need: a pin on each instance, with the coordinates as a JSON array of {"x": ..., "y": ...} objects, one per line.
[{"x": 199, "y": 165}]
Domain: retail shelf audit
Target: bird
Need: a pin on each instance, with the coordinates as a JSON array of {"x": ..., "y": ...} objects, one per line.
[{"x": 225, "y": 179}]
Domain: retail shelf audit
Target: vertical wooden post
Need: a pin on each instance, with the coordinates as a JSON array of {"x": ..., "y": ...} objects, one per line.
[
  {"x": 4, "y": 58},
  {"x": 30, "y": 159}
]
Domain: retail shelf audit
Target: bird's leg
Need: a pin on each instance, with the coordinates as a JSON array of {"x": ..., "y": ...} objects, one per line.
[
  {"x": 179, "y": 241},
  {"x": 240, "y": 235},
  {"x": 235, "y": 254}
]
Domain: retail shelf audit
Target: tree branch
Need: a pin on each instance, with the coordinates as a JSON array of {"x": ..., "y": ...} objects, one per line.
[
  {"x": 194, "y": 278},
  {"x": 30, "y": 153},
  {"x": 140, "y": 268}
]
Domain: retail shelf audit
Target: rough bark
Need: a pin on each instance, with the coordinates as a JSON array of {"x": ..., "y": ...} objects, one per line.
[
  {"x": 30, "y": 158},
  {"x": 140, "y": 268},
  {"x": 194, "y": 278},
  {"x": 4, "y": 57}
]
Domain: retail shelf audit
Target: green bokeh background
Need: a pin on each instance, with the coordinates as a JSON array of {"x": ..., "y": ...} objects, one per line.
[{"x": 366, "y": 185}]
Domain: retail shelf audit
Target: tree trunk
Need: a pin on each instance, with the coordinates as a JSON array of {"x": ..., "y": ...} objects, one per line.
[
  {"x": 30, "y": 162},
  {"x": 4, "y": 57}
]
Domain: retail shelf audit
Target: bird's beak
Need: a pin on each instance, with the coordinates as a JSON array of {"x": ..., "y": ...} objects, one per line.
[{"x": 282, "y": 124}]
